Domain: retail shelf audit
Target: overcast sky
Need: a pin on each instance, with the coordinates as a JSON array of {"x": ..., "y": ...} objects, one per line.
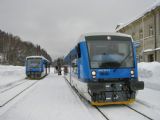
[{"x": 57, "y": 24}]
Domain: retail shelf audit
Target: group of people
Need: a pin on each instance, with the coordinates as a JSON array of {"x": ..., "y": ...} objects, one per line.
[{"x": 61, "y": 70}]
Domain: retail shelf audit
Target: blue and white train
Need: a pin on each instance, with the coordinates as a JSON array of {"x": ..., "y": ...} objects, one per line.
[
  {"x": 103, "y": 68},
  {"x": 37, "y": 67}
]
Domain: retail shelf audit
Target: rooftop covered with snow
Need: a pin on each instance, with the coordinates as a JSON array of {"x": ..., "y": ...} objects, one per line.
[
  {"x": 153, "y": 7},
  {"x": 41, "y": 57}
]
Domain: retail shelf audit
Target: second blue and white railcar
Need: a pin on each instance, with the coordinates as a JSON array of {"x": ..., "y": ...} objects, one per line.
[{"x": 37, "y": 67}]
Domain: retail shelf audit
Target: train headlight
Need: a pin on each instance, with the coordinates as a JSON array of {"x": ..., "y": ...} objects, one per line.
[
  {"x": 93, "y": 73},
  {"x": 132, "y": 72}
]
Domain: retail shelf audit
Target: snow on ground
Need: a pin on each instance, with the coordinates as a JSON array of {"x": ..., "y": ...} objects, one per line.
[
  {"x": 150, "y": 74},
  {"x": 10, "y": 74},
  {"x": 150, "y": 96}
]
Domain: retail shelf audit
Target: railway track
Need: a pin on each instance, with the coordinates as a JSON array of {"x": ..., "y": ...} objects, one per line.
[
  {"x": 11, "y": 87},
  {"x": 2, "y": 87},
  {"x": 104, "y": 114},
  {"x": 139, "y": 112},
  {"x": 11, "y": 93}
]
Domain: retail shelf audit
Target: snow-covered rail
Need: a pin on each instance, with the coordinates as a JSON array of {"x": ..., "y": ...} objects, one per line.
[
  {"x": 139, "y": 112},
  {"x": 117, "y": 112},
  {"x": 11, "y": 86},
  {"x": 8, "y": 95},
  {"x": 105, "y": 115},
  {"x": 102, "y": 113},
  {"x": 8, "y": 85}
]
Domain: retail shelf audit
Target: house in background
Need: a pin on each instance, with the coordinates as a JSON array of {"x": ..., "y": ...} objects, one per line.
[{"x": 146, "y": 30}]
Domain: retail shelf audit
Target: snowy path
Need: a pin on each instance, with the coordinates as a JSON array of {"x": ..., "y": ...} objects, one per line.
[{"x": 50, "y": 99}]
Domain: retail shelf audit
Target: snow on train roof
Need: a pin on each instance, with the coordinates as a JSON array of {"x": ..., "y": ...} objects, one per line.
[
  {"x": 153, "y": 7},
  {"x": 37, "y": 57},
  {"x": 102, "y": 33}
]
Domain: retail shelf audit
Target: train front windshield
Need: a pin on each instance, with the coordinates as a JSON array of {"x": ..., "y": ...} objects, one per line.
[
  {"x": 34, "y": 62},
  {"x": 110, "y": 51}
]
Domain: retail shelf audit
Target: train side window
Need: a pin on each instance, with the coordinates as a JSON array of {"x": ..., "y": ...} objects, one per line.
[
  {"x": 74, "y": 66},
  {"x": 78, "y": 48}
]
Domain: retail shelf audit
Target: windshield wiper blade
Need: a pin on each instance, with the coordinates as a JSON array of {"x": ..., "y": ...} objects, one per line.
[{"x": 121, "y": 62}]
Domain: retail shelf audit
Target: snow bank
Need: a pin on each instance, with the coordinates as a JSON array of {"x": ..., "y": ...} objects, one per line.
[
  {"x": 150, "y": 96},
  {"x": 150, "y": 74},
  {"x": 11, "y": 74}
]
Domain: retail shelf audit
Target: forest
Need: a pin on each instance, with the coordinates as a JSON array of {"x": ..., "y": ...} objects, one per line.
[{"x": 14, "y": 50}]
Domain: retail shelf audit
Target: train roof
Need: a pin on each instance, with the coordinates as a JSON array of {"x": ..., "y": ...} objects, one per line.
[
  {"x": 82, "y": 38},
  {"x": 37, "y": 57},
  {"x": 103, "y": 33}
]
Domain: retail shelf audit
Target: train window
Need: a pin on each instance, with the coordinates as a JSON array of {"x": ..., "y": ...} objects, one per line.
[
  {"x": 78, "y": 50},
  {"x": 34, "y": 62},
  {"x": 74, "y": 66},
  {"x": 113, "y": 53}
]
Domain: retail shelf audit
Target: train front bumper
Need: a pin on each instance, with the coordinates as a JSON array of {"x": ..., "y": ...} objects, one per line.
[
  {"x": 136, "y": 85},
  {"x": 114, "y": 92},
  {"x": 130, "y": 101}
]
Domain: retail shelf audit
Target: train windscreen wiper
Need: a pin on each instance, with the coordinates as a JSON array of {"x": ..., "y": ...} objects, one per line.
[{"x": 122, "y": 61}]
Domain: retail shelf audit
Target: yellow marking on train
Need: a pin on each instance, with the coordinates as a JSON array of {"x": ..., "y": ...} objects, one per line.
[{"x": 113, "y": 103}]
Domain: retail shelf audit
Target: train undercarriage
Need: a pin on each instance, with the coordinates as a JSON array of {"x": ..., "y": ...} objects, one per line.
[
  {"x": 34, "y": 75},
  {"x": 121, "y": 92}
]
